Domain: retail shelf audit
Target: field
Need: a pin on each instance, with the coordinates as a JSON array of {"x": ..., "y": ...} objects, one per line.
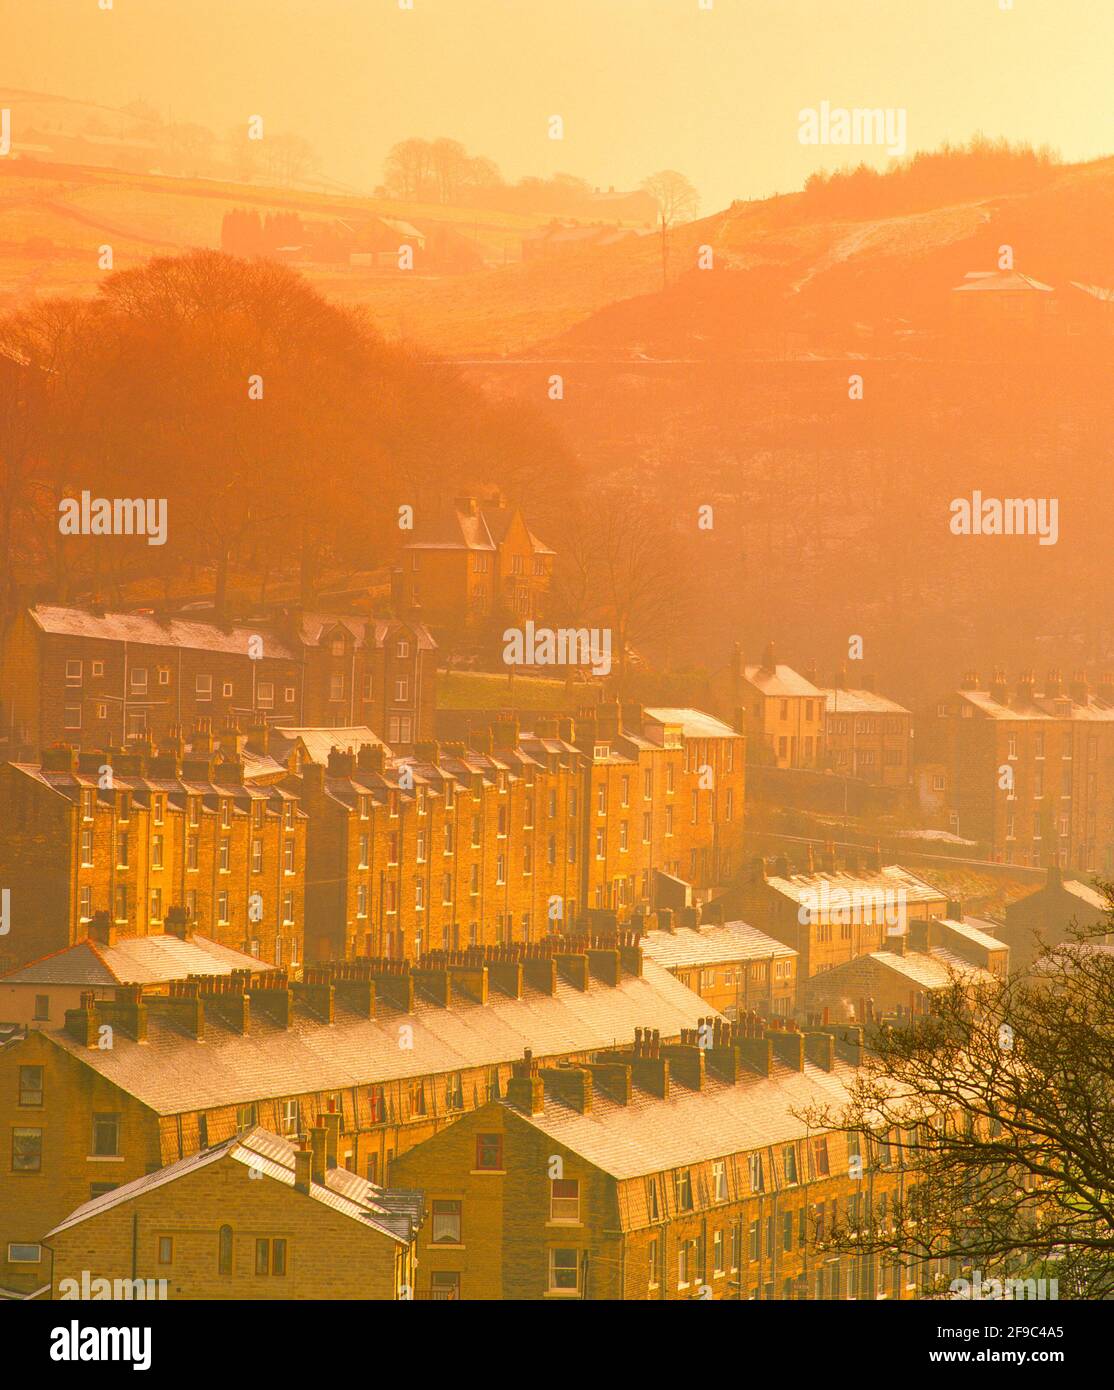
[{"x": 479, "y": 690}]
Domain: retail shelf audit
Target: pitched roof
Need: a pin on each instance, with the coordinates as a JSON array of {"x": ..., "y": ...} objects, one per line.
[
  {"x": 711, "y": 945},
  {"x": 996, "y": 280},
  {"x": 781, "y": 681},
  {"x": 973, "y": 933},
  {"x": 368, "y": 632},
  {"x": 1041, "y": 707},
  {"x": 931, "y": 970},
  {"x": 889, "y": 877},
  {"x": 393, "y": 1213},
  {"x": 651, "y": 1135},
  {"x": 137, "y": 960},
  {"x": 172, "y": 1072},
  {"x": 841, "y": 701},
  {"x": 319, "y": 743},
  {"x": 694, "y": 722},
  {"x": 483, "y": 529},
  {"x": 148, "y": 630}
]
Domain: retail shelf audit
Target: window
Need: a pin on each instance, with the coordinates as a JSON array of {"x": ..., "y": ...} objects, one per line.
[
  {"x": 564, "y": 1200},
  {"x": 270, "y": 1256},
  {"x": 166, "y": 1250},
  {"x": 717, "y": 1254},
  {"x": 106, "y": 1134},
  {"x": 446, "y": 1222},
  {"x": 416, "y": 1097},
  {"x": 790, "y": 1160},
  {"x": 688, "y": 1263},
  {"x": 224, "y": 1250},
  {"x": 719, "y": 1180},
  {"x": 42, "y": 1006},
  {"x": 757, "y": 1183},
  {"x": 820, "y": 1157},
  {"x": 27, "y": 1150},
  {"x": 31, "y": 1085},
  {"x": 655, "y": 1257},
  {"x": 290, "y": 1117},
  {"x": 564, "y": 1271},
  {"x": 264, "y": 695},
  {"x": 402, "y": 690},
  {"x": 489, "y": 1152},
  {"x": 73, "y": 672},
  {"x": 454, "y": 1092},
  {"x": 682, "y": 1189},
  {"x": 139, "y": 680},
  {"x": 71, "y": 717},
  {"x": 203, "y": 687},
  {"x": 20, "y": 1254}
]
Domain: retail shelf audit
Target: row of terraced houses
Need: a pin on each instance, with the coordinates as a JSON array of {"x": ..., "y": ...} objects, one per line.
[{"x": 308, "y": 845}]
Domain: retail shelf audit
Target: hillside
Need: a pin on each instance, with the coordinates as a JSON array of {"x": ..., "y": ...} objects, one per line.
[{"x": 788, "y": 277}]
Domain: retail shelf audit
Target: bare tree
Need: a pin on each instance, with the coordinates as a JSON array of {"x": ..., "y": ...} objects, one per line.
[
  {"x": 407, "y": 168},
  {"x": 677, "y": 200},
  {"x": 1000, "y": 1110}
]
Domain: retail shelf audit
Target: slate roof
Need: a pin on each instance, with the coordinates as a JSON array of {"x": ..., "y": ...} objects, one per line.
[
  {"x": 145, "y": 629},
  {"x": 483, "y": 530},
  {"x": 859, "y": 702},
  {"x": 172, "y": 1072},
  {"x": 1042, "y": 707},
  {"x": 931, "y": 970},
  {"x": 711, "y": 945},
  {"x": 994, "y": 280},
  {"x": 367, "y": 632},
  {"x": 974, "y": 933},
  {"x": 318, "y": 743},
  {"x": 889, "y": 876},
  {"x": 694, "y": 722},
  {"x": 651, "y": 1135},
  {"x": 781, "y": 681},
  {"x": 394, "y": 1213},
  {"x": 138, "y": 960}
]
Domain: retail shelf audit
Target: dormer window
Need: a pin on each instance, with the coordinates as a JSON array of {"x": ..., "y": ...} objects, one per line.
[
  {"x": 601, "y": 750},
  {"x": 336, "y": 646}
]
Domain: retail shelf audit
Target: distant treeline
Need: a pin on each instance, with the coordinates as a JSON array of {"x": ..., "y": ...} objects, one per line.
[
  {"x": 981, "y": 168},
  {"x": 442, "y": 171},
  {"x": 282, "y": 431}
]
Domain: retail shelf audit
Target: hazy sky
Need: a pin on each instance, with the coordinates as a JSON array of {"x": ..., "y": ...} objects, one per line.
[{"x": 640, "y": 84}]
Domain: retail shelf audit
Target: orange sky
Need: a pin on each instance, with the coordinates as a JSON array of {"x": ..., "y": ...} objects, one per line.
[{"x": 641, "y": 84}]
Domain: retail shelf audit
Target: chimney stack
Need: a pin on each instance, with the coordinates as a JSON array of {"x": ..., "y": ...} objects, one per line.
[
  {"x": 303, "y": 1171},
  {"x": 318, "y": 1144}
]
